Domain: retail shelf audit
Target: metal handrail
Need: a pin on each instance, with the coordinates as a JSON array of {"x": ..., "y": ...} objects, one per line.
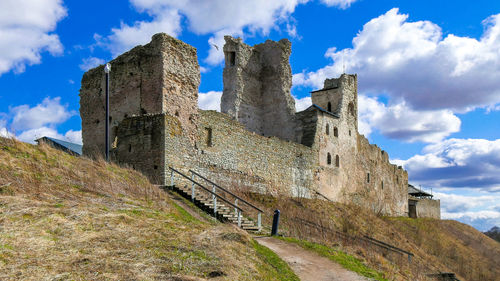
[
  {"x": 206, "y": 189},
  {"x": 364, "y": 238},
  {"x": 388, "y": 245},
  {"x": 227, "y": 191}
]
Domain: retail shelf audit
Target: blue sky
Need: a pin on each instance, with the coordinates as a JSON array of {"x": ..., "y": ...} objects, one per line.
[{"x": 428, "y": 72}]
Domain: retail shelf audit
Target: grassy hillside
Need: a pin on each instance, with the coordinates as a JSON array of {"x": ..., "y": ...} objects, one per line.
[
  {"x": 438, "y": 245},
  {"x": 67, "y": 218}
]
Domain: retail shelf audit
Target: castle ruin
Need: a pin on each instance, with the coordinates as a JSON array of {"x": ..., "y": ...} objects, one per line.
[{"x": 258, "y": 141}]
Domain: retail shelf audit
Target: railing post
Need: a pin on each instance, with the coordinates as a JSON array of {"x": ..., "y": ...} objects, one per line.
[
  {"x": 215, "y": 199},
  {"x": 239, "y": 218},
  {"x": 172, "y": 178},
  {"x": 192, "y": 187},
  {"x": 259, "y": 221},
  {"x": 235, "y": 204}
]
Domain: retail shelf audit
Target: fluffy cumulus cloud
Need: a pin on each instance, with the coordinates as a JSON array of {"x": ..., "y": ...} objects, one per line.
[
  {"x": 405, "y": 123},
  {"x": 457, "y": 163},
  {"x": 209, "y": 100},
  {"x": 217, "y": 18},
  {"x": 29, "y": 123},
  {"x": 25, "y": 32},
  {"x": 411, "y": 61},
  {"x": 50, "y": 111}
]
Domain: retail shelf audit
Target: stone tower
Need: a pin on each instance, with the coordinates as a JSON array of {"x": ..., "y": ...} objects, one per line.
[
  {"x": 257, "y": 83},
  {"x": 160, "y": 77}
]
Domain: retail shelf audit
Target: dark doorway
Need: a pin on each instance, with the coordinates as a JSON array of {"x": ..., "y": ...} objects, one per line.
[{"x": 412, "y": 209}]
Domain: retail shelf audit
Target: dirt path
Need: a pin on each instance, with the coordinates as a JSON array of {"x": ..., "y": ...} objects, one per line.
[{"x": 308, "y": 265}]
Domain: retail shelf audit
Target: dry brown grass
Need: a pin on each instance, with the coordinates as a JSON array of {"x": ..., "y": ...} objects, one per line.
[
  {"x": 68, "y": 218},
  {"x": 438, "y": 245}
]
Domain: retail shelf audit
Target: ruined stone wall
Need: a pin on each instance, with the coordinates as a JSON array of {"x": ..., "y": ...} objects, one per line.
[
  {"x": 257, "y": 83},
  {"x": 236, "y": 157},
  {"x": 141, "y": 145},
  {"x": 160, "y": 77},
  {"x": 428, "y": 208},
  {"x": 382, "y": 186}
]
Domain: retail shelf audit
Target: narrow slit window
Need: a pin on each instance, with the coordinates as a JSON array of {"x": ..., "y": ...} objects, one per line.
[
  {"x": 329, "y": 159},
  {"x": 129, "y": 148},
  {"x": 382, "y": 184},
  {"x": 337, "y": 161},
  {"x": 327, "y": 129},
  {"x": 231, "y": 58},
  {"x": 208, "y": 132},
  {"x": 368, "y": 177},
  {"x": 335, "y": 132},
  {"x": 330, "y": 106}
]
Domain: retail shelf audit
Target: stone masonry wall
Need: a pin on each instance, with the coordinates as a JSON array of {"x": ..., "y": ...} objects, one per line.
[
  {"x": 428, "y": 208},
  {"x": 159, "y": 77},
  {"x": 141, "y": 145},
  {"x": 257, "y": 83},
  {"x": 236, "y": 157}
]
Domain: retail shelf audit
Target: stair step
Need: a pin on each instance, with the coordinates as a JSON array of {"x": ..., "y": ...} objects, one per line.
[{"x": 223, "y": 210}]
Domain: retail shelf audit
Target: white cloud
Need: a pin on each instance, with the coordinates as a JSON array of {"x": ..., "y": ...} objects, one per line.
[
  {"x": 457, "y": 163},
  {"x": 25, "y": 27},
  {"x": 209, "y": 100},
  {"x": 89, "y": 63},
  {"x": 73, "y": 136},
  {"x": 302, "y": 103},
  {"x": 218, "y": 18},
  {"x": 481, "y": 220},
  {"x": 127, "y": 36},
  {"x": 413, "y": 62},
  {"x": 34, "y": 134},
  {"x": 31, "y": 135},
  {"x": 49, "y": 112},
  {"x": 400, "y": 121},
  {"x": 342, "y": 4}
]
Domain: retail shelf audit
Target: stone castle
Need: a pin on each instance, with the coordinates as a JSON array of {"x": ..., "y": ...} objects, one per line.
[{"x": 258, "y": 141}]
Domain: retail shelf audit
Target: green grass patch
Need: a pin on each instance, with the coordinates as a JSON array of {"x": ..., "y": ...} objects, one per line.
[
  {"x": 274, "y": 267},
  {"x": 349, "y": 262},
  {"x": 184, "y": 215}
]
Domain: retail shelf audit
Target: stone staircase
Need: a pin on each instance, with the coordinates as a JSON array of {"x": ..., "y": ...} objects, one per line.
[{"x": 216, "y": 201}]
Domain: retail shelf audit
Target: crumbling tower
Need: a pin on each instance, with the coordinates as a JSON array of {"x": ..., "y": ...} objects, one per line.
[
  {"x": 257, "y": 83},
  {"x": 160, "y": 77}
]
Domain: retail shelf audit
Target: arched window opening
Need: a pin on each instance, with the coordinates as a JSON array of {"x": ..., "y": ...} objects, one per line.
[
  {"x": 329, "y": 106},
  {"x": 329, "y": 159},
  {"x": 335, "y": 132},
  {"x": 327, "y": 129},
  {"x": 337, "y": 161}
]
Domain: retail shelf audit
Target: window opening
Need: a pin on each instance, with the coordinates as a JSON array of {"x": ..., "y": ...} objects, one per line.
[
  {"x": 129, "y": 148},
  {"x": 329, "y": 158},
  {"x": 337, "y": 161},
  {"x": 208, "y": 136},
  {"x": 335, "y": 132},
  {"x": 367, "y": 177},
  {"x": 327, "y": 129},
  {"x": 231, "y": 58},
  {"x": 329, "y": 106}
]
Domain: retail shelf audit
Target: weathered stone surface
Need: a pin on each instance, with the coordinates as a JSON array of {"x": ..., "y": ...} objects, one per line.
[
  {"x": 427, "y": 208},
  {"x": 261, "y": 144},
  {"x": 257, "y": 83},
  {"x": 160, "y": 77}
]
